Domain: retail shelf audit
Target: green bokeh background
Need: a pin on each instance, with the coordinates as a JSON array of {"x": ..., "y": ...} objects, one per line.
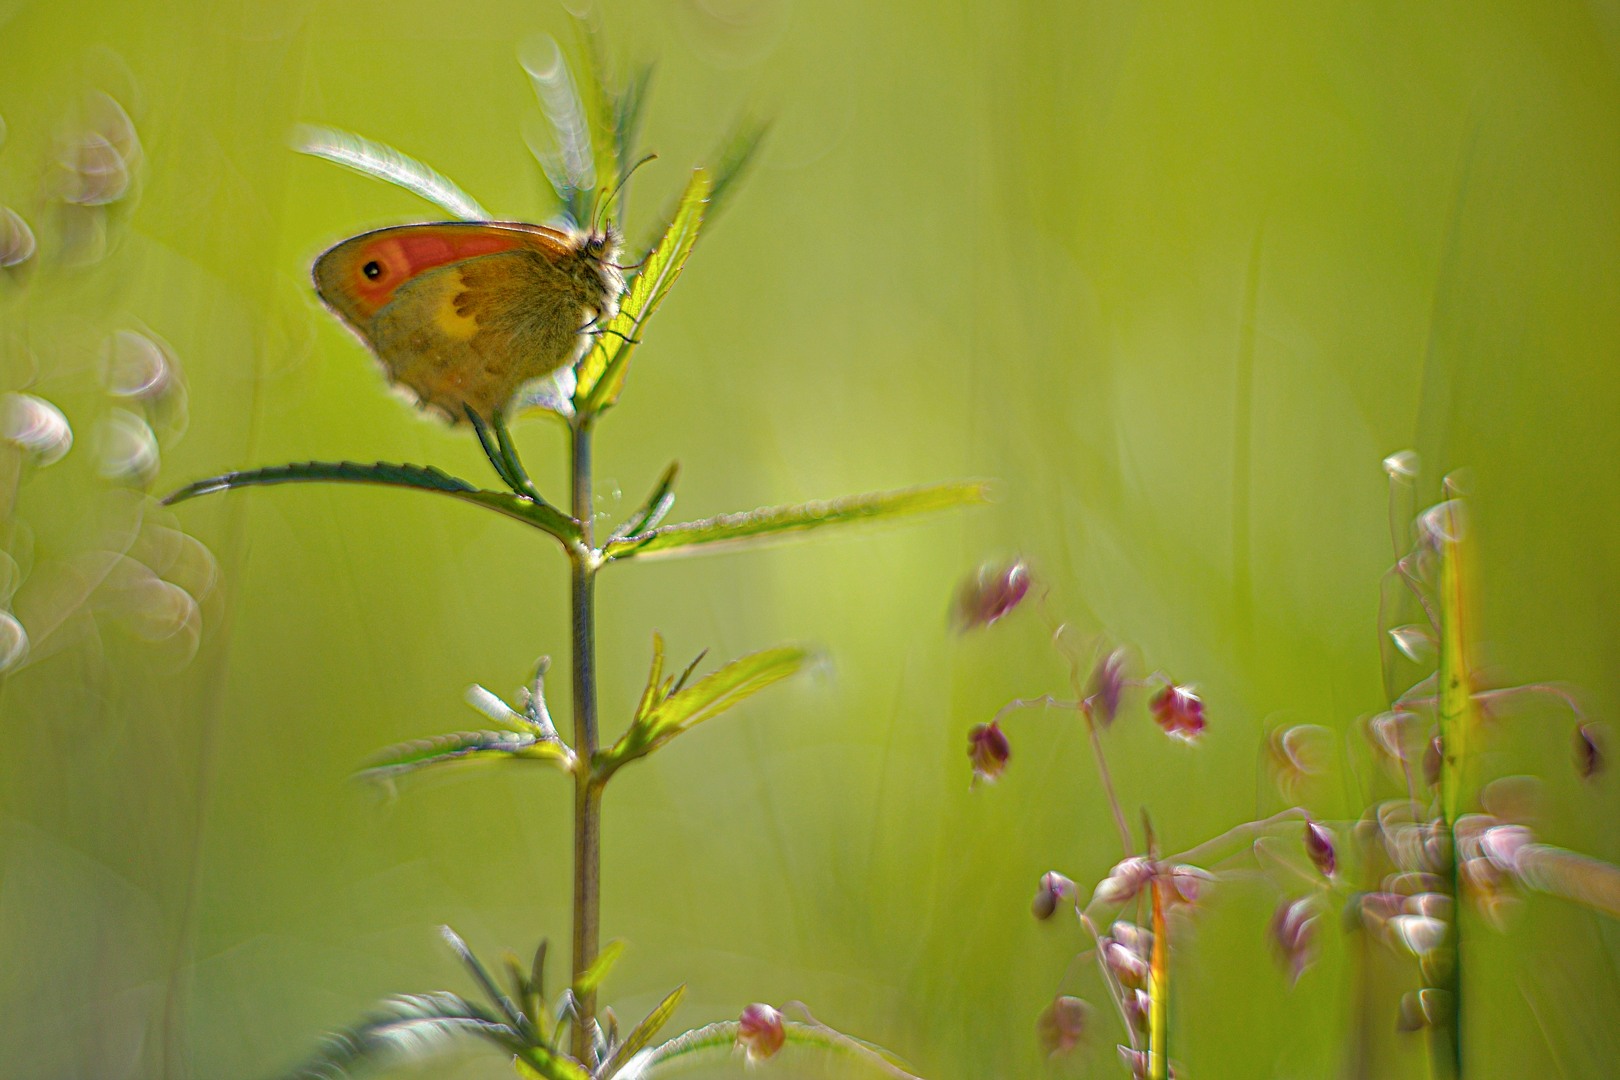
[{"x": 1178, "y": 275}]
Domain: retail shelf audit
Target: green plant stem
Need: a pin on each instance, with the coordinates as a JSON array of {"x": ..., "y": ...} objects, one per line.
[
  {"x": 1445, "y": 1038},
  {"x": 587, "y": 788}
]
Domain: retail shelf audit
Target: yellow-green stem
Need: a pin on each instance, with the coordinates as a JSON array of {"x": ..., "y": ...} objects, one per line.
[{"x": 587, "y": 790}]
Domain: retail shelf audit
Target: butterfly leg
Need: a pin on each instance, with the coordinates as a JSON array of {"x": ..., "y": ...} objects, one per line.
[{"x": 608, "y": 330}]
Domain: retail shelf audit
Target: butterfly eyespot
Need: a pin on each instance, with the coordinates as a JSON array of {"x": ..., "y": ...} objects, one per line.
[{"x": 372, "y": 270}]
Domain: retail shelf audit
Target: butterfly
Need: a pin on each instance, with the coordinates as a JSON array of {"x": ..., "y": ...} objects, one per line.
[{"x": 462, "y": 314}]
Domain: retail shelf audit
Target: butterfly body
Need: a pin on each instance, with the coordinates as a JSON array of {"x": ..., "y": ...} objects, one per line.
[{"x": 462, "y": 314}]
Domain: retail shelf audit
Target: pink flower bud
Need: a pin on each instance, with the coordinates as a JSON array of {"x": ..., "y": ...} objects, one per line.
[
  {"x": 990, "y": 594},
  {"x": 1421, "y": 1009},
  {"x": 1106, "y": 686},
  {"x": 1433, "y": 756},
  {"x": 1062, "y": 1025},
  {"x": 1375, "y": 909},
  {"x": 1135, "y": 1062},
  {"x": 1187, "y": 884},
  {"x": 1053, "y": 890},
  {"x": 1128, "y": 966},
  {"x": 760, "y": 1032},
  {"x": 1138, "y": 1010},
  {"x": 1124, "y": 881},
  {"x": 1319, "y": 846},
  {"x": 1420, "y": 934},
  {"x": 1589, "y": 756},
  {"x": 1501, "y": 844},
  {"x": 1133, "y": 937},
  {"x": 1293, "y": 936},
  {"x": 989, "y": 751},
  {"x": 1179, "y": 712}
]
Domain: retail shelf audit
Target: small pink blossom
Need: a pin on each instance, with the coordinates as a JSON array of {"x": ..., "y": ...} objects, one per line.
[
  {"x": 1107, "y": 686},
  {"x": 1053, "y": 890},
  {"x": 1319, "y": 846},
  {"x": 1589, "y": 756},
  {"x": 1293, "y": 935},
  {"x": 1062, "y": 1025},
  {"x": 1179, "y": 712},
  {"x": 760, "y": 1032},
  {"x": 1124, "y": 881},
  {"x": 990, "y": 595},
  {"x": 989, "y": 751}
]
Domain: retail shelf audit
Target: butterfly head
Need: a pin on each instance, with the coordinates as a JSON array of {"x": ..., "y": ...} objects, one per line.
[{"x": 599, "y": 251}]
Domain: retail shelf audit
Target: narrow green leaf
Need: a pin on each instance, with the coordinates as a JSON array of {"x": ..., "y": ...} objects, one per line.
[
  {"x": 726, "y": 688},
  {"x": 464, "y": 747},
  {"x": 597, "y": 96},
  {"x": 687, "y": 674},
  {"x": 654, "y": 508},
  {"x": 537, "y": 972},
  {"x": 384, "y": 163},
  {"x": 592, "y": 977},
  {"x": 406, "y": 1028},
  {"x": 601, "y": 374},
  {"x": 507, "y": 1007},
  {"x": 627, "y": 123},
  {"x": 423, "y": 477},
  {"x": 650, "y": 696},
  {"x": 737, "y": 155},
  {"x": 771, "y": 522},
  {"x": 673, "y": 713},
  {"x": 569, "y": 164},
  {"x": 550, "y": 1066},
  {"x": 521, "y": 992},
  {"x": 643, "y": 1034},
  {"x": 540, "y": 515}
]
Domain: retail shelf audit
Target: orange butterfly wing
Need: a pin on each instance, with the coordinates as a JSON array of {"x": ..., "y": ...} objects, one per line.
[{"x": 461, "y": 314}]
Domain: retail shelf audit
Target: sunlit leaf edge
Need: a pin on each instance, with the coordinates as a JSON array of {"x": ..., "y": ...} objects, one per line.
[
  {"x": 642, "y": 1034},
  {"x": 659, "y": 719},
  {"x": 382, "y": 162},
  {"x": 770, "y": 522},
  {"x": 601, "y": 374}
]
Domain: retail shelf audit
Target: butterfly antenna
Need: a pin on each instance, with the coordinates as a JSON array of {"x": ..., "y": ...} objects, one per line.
[{"x": 607, "y": 202}]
